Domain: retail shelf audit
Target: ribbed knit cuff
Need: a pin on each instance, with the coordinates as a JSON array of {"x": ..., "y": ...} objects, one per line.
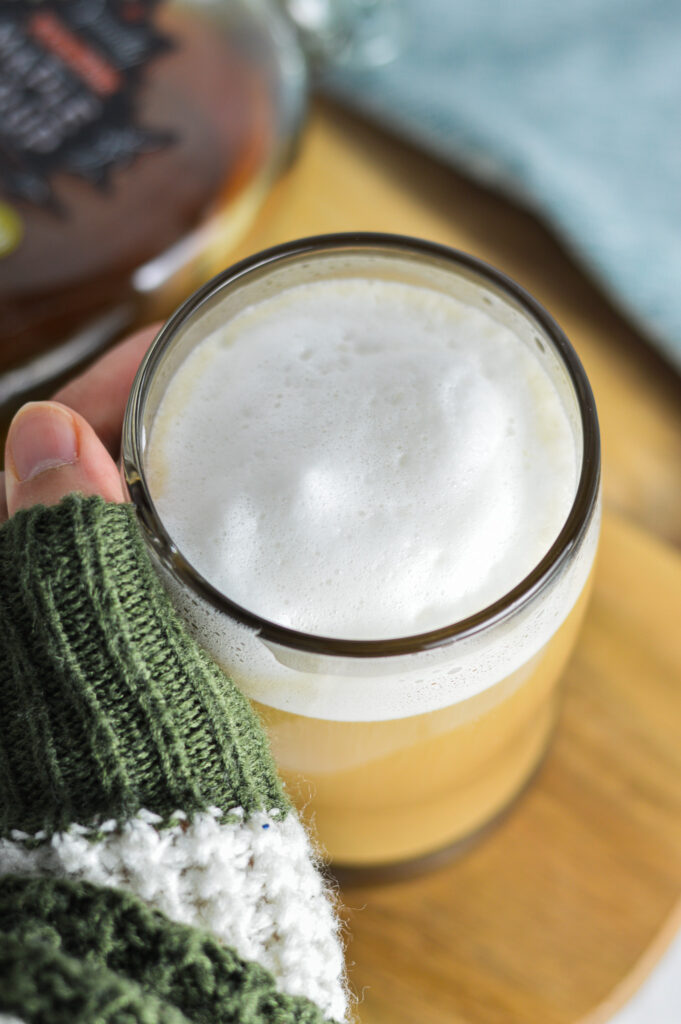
[
  {"x": 130, "y": 763},
  {"x": 107, "y": 704}
]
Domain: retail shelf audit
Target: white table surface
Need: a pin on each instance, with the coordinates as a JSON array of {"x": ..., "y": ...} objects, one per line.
[{"x": 658, "y": 1000}]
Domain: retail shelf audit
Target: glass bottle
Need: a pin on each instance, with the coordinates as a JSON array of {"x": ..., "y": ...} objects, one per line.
[{"x": 134, "y": 134}]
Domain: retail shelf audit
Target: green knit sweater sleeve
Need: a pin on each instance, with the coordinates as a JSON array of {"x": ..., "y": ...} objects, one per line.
[{"x": 138, "y": 797}]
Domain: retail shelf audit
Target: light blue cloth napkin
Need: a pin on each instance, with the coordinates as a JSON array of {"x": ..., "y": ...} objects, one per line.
[{"x": 575, "y": 108}]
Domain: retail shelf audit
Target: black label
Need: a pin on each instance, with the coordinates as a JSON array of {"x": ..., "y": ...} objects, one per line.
[{"x": 70, "y": 71}]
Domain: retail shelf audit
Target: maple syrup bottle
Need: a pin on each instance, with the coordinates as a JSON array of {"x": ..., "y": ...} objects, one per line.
[{"x": 131, "y": 133}]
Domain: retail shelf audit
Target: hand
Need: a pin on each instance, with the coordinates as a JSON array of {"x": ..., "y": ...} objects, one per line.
[{"x": 70, "y": 443}]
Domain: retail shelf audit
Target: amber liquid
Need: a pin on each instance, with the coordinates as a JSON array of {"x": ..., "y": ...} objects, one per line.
[
  {"x": 380, "y": 793},
  {"x": 216, "y": 94}
]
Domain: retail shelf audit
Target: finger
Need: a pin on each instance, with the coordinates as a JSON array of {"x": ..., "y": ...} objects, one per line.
[
  {"x": 52, "y": 451},
  {"x": 3, "y": 500},
  {"x": 100, "y": 393}
]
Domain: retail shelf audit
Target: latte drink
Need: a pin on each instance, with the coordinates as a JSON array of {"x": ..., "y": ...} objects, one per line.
[{"x": 375, "y": 470}]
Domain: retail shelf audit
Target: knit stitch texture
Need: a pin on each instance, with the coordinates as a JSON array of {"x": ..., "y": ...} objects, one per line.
[
  {"x": 108, "y": 705},
  {"x": 151, "y": 868},
  {"x": 81, "y": 947},
  {"x": 251, "y": 882}
]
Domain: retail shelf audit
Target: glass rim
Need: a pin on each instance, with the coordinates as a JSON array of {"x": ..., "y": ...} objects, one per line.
[{"x": 567, "y": 541}]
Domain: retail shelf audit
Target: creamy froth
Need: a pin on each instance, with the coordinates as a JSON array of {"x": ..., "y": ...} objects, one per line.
[{"x": 362, "y": 459}]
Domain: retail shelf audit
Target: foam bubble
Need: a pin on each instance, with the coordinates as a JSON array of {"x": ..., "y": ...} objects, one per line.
[{"x": 363, "y": 459}]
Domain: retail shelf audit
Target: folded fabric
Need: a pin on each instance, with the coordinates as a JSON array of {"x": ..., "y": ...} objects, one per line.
[{"x": 573, "y": 108}]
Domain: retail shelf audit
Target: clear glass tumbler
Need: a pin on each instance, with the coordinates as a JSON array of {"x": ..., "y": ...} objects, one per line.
[{"x": 394, "y": 750}]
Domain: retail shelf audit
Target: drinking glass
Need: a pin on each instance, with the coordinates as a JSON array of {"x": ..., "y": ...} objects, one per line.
[{"x": 394, "y": 750}]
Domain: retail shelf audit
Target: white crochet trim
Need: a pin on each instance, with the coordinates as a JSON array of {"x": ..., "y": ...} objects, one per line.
[{"x": 252, "y": 882}]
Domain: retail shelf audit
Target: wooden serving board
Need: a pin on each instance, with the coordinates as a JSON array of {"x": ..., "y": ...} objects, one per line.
[{"x": 554, "y": 917}]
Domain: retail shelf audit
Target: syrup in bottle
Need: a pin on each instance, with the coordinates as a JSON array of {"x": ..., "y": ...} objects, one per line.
[{"x": 132, "y": 132}]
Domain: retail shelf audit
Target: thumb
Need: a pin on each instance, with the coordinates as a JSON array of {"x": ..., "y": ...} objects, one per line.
[{"x": 51, "y": 451}]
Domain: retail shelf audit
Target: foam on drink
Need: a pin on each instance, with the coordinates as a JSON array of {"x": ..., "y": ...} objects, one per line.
[{"x": 364, "y": 459}]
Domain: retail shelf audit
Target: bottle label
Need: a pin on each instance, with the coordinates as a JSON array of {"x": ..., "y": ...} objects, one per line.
[{"x": 70, "y": 73}]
